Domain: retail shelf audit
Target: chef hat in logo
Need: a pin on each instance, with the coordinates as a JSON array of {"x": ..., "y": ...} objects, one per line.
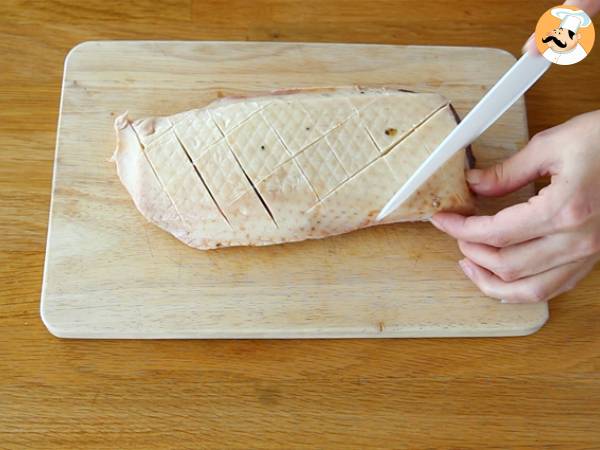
[{"x": 570, "y": 19}]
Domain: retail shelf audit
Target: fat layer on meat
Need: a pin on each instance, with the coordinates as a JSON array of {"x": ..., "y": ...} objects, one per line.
[{"x": 289, "y": 165}]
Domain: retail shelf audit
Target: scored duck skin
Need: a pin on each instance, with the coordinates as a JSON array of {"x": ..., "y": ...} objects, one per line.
[{"x": 289, "y": 165}]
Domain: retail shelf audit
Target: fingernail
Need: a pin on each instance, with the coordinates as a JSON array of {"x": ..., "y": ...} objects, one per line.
[
  {"x": 466, "y": 268},
  {"x": 474, "y": 176}
]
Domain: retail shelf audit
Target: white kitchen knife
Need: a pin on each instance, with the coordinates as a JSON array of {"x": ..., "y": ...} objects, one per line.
[{"x": 494, "y": 103}]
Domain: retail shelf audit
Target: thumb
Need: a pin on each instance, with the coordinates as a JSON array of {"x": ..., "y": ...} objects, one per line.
[
  {"x": 591, "y": 7},
  {"x": 511, "y": 174}
]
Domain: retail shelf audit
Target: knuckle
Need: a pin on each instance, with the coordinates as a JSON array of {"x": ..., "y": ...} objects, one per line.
[
  {"x": 546, "y": 134},
  {"x": 498, "y": 240},
  {"x": 575, "y": 213},
  {"x": 588, "y": 245},
  {"x": 506, "y": 273},
  {"x": 544, "y": 212},
  {"x": 539, "y": 139},
  {"x": 505, "y": 268},
  {"x": 536, "y": 294}
]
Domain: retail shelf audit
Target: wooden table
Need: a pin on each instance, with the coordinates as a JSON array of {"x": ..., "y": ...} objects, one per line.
[{"x": 541, "y": 391}]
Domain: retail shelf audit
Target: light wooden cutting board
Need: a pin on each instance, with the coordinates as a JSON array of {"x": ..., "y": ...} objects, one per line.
[{"x": 110, "y": 274}]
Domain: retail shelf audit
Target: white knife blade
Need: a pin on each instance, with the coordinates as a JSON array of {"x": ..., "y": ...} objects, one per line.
[{"x": 494, "y": 103}]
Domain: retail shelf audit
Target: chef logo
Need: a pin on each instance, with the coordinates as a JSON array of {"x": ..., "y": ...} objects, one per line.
[{"x": 564, "y": 35}]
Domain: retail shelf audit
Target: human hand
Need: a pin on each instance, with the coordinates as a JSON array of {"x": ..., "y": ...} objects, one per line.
[
  {"x": 591, "y": 7},
  {"x": 534, "y": 251}
]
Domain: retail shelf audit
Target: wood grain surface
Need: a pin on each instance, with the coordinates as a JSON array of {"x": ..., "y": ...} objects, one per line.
[
  {"x": 393, "y": 281},
  {"x": 538, "y": 392}
]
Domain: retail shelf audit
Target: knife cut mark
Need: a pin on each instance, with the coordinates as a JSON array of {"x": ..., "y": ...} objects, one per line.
[
  {"x": 254, "y": 188},
  {"x": 163, "y": 187},
  {"x": 351, "y": 182},
  {"x": 413, "y": 129},
  {"x": 382, "y": 155},
  {"x": 214, "y": 200}
]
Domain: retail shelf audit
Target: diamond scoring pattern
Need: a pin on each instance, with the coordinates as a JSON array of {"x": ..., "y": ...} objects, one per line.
[
  {"x": 328, "y": 112},
  {"x": 390, "y": 117},
  {"x": 177, "y": 175},
  {"x": 197, "y": 132},
  {"x": 292, "y": 123},
  {"x": 321, "y": 167},
  {"x": 230, "y": 116},
  {"x": 292, "y": 178},
  {"x": 361, "y": 101},
  {"x": 192, "y": 199},
  {"x": 151, "y": 129},
  {"x": 288, "y": 193},
  {"x": 352, "y": 145},
  {"x": 257, "y": 147},
  {"x": 404, "y": 158},
  {"x": 294, "y": 150},
  {"x": 222, "y": 174},
  {"x": 347, "y": 207},
  {"x": 168, "y": 159}
]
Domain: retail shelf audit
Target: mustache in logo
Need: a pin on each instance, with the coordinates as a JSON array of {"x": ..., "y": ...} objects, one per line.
[{"x": 556, "y": 41}]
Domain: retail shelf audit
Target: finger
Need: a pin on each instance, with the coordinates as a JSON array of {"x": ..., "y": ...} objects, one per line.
[
  {"x": 518, "y": 223},
  {"x": 537, "y": 288},
  {"x": 531, "y": 257},
  {"x": 591, "y": 7},
  {"x": 575, "y": 278},
  {"x": 530, "y": 45},
  {"x": 511, "y": 174}
]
